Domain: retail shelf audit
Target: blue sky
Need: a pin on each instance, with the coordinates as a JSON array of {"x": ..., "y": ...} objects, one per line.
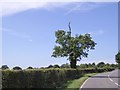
[{"x": 28, "y": 31}]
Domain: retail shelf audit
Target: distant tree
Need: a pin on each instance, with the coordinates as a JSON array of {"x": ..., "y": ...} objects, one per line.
[
  {"x": 93, "y": 64},
  {"x": 117, "y": 58},
  {"x": 30, "y": 67},
  {"x": 90, "y": 65},
  {"x": 17, "y": 68},
  {"x": 36, "y": 68},
  {"x": 107, "y": 64},
  {"x": 4, "y": 67},
  {"x": 56, "y": 66},
  {"x": 86, "y": 65},
  {"x": 65, "y": 65},
  {"x": 101, "y": 64},
  {"x": 72, "y": 47},
  {"x": 50, "y": 66},
  {"x": 113, "y": 65},
  {"x": 83, "y": 66},
  {"x": 42, "y": 67}
]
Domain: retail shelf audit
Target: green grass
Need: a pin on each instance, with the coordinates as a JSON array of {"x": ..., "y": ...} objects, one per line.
[{"x": 76, "y": 83}]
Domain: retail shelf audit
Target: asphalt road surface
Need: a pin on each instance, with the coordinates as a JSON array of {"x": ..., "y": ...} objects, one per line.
[{"x": 103, "y": 81}]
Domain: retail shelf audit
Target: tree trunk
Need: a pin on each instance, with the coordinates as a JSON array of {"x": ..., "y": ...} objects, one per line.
[{"x": 73, "y": 63}]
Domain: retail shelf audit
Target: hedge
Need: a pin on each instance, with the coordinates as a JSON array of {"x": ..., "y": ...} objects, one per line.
[{"x": 43, "y": 78}]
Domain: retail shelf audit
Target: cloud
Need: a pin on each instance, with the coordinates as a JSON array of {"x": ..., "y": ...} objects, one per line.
[
  {"x": 17, "y": 34},
  {"x": 83, "y": 7},
  {"x": 97, "y": 33},
  {"x": 9, "y": 7}
]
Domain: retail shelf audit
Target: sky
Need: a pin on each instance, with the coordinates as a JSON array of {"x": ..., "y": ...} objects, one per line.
[{"x": 28, "y": 31}]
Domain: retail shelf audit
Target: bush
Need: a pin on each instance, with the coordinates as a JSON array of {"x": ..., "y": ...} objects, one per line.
[{"x": 43, "y": 78}]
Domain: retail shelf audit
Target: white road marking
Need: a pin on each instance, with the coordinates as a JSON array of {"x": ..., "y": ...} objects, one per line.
[
  {"x": 84, "y": 83},
  {"x": 113, "y": 81},
  {"x": 116, "y": 83}
]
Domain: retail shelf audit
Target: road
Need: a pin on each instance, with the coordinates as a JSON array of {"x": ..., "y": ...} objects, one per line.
[{"x": 103, "y": 81}]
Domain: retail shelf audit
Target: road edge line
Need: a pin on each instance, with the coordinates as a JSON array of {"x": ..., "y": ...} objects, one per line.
[
  {"x": 84, "y": 83},
  {"x": 113, "y": 81}
]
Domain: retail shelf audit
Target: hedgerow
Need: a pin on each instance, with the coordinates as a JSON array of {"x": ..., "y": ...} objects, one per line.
[{"x": 43, "y": 78}]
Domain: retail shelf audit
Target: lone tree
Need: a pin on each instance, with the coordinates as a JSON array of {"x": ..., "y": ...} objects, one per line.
[
  {"x": 117, "y": 57},
  {"x": 72, "y": 47}
]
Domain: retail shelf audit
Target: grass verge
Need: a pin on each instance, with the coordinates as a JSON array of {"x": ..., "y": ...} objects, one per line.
[{"x": 76, "y": 83}]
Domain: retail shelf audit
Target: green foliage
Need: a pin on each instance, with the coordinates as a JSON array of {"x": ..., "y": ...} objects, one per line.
[
  {"x": 76, "y": 83},
  {"x": 30, "y": 67},
  {"x": 90, "y": 65},
  {"x": 50, "y": 66},
  {"x": 83, "y": 66},
  {"x": 17, "y": 68},
  {"x": 93, "y": 64},
  {"x": 56, "y": 66},
  {"x": 43, "y": 78},
  {"x": 72, "y": 47},
  {"x": 117, "y": 57},
  {"x": 4, "y": 67},
  {"x": 101, "y": 64},
  {"x": 65, "y": 65}
]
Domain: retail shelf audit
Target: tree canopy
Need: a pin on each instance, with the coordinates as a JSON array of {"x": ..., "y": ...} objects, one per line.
[
  {"x": 117, "y": 57},
  {"x": 30, "y": 67},
  {"x": 72, "y": 47},
  {"x": 17, "y": 68},
  {"x": 4, "y": 67},
  {"x": 101, "y": 64}
]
